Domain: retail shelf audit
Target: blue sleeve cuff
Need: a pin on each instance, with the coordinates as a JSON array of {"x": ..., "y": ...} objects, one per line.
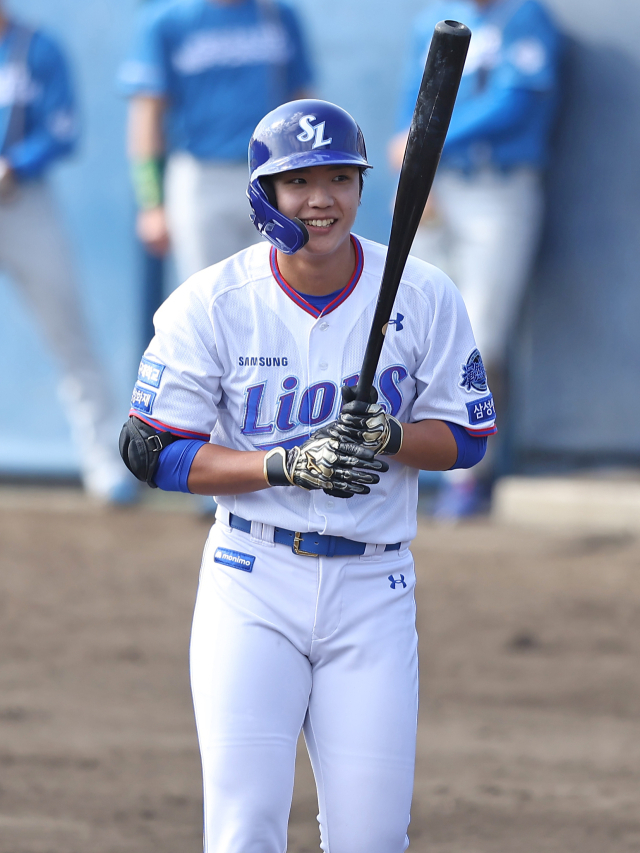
[
  {"x": 471, "y": 448},
  {"x": 29, "y": 158},
  {"x": 175, "y": 463}
]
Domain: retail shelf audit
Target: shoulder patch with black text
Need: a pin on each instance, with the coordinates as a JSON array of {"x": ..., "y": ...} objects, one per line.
[{"x": 473, "y": 373}]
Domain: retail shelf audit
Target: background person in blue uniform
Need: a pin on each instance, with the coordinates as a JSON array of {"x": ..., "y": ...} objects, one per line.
[
  {"x": 202, "y": 73},
  {"x": 484, "y": 217},
  {"x": 38, "y": 125}
]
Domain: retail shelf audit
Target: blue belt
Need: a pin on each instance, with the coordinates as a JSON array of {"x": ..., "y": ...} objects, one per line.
[{"x": 311, "y": 544}]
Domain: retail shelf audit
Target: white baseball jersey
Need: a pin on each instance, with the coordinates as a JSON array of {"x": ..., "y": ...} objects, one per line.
[{"x": 241, "y": 359}]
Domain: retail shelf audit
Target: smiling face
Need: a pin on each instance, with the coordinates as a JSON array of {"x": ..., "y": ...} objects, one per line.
[{"x": 325, "y": 198}]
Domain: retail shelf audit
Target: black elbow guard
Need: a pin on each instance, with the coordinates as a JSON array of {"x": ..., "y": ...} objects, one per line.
[{"x": 140, "y": 448}]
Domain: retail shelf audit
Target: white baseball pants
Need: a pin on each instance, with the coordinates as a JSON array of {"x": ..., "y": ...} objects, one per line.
[
  {"x": 485, "y": 237},
  {"x": 323, "y": 645},
  {"x": 34, "y": 252},
  {"x": 207, "y": 212}
]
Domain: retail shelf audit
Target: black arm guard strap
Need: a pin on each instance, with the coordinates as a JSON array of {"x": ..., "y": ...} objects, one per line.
[{"x": 140, "y": 448}]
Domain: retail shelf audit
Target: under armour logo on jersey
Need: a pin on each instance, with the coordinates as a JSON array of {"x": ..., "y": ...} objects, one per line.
[
  {"x": 395, "y": 582},
  {"x": 397, "y": 322},
  {"x": 309, "y": 131}
]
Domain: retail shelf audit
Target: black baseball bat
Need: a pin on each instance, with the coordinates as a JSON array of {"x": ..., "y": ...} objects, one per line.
[{"x": 431, "y": 117}]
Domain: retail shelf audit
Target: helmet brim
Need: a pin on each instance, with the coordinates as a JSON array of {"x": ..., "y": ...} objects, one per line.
[{"x": 307, "y": 159}]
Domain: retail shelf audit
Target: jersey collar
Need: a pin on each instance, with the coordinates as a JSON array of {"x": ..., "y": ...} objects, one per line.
[{"x": 301, "y": 302}]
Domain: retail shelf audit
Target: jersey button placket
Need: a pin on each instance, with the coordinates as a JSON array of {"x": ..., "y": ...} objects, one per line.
[
  {"x": 322, "y": 368},
  {"x": 323, "y": 364}
]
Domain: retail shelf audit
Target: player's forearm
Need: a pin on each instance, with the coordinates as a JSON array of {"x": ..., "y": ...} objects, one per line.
[
  {"x": 7, "y": 179},
  {"x": 144, "y": 133},
  {"x": 146, "y": 151},
  {"x": 221, "y": 471},
  {"x": 428, "y": 445}
]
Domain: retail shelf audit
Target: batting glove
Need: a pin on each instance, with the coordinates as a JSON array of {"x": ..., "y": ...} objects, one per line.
[
  {"x": 340, "y": 467},
  {"x": 367, "y": 424}
]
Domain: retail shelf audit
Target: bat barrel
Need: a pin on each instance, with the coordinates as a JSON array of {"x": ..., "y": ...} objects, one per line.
[{"x": 434, "y": 106}]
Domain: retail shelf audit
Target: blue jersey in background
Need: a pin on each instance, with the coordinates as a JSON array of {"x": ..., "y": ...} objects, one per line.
[
  {"x": 38, "y": 122},
  {"x": 221, "y": 68},
  {"x": 508, "y": 94}
]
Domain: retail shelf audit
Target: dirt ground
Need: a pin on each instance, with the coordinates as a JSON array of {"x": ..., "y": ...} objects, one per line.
[{"x": 529, "y": 733}]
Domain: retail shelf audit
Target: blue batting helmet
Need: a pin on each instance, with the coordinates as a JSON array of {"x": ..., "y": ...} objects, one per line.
[{"x": 294, "y": 136}]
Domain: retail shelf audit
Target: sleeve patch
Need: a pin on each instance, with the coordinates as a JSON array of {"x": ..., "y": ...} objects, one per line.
[
  {"x": 473, "y": 373},
  {"x": 481, "y": 411},
  {"x": 142, "y": 400},
  {"x": 150, "y": 372}
]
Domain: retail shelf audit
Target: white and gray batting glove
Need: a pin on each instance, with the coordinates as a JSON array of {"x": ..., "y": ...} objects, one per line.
[
  {"x": 340, "y": 467},
  {"x": 367, "y": 424}
]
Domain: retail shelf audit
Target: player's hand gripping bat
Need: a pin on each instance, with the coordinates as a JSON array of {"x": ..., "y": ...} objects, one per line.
[{"x": 429, "y": 126}]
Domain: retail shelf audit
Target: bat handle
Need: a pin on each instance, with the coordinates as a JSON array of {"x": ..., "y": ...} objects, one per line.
[{"x": 368, "y": 369}]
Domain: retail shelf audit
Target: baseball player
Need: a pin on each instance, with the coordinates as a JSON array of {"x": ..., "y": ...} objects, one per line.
[
  {"x": 201, "y": 75},
  {"x": 485, "y": 212},
  {"x": 305, "y": 616},
  {"x": 38, "y": 126}
]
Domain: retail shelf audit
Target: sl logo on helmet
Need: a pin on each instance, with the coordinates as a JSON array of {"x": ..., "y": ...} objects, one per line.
[{"x": 309, "y": 131}]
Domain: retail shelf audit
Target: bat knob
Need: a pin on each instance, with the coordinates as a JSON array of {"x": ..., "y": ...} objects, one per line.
[{"x": 453, "y": 28}]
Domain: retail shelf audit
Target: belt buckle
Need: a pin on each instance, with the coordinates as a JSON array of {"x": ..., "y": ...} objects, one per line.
[{"x": 297, "y": 538}]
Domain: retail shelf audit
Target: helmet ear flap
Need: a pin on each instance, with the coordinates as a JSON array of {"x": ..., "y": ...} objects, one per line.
[
  {"x": 267, "y": 184},
  {"x": 287, "y": 235}
]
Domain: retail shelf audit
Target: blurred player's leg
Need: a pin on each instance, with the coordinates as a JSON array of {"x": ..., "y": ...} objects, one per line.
[
  {"x": 36, "y": 254},
  {"x": 432, "y": 241},
  {"x": 485, "y": 237},
  {"x": 152, "y": 270},
  {"x": 494, "y": 220},
  {"x": 208, "y": 220},
  {"x": 207, "y": 212}
]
